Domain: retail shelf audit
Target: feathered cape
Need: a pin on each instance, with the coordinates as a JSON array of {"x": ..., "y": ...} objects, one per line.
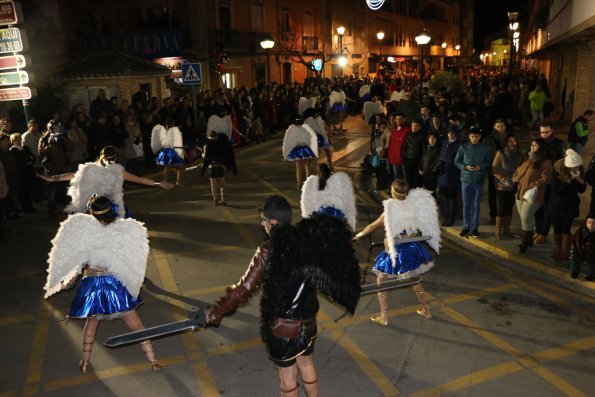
[
  {"x": 94, "y": 178},
  {"x": 417, "y": 212},
  {"x": 121, "y": 247},
  {"x": 317, "y": 250},
  {"x": 221, "y": 125},
  {"x": 338, "y": 193},
  {"x": 299, "y": 136},
  {"x": 170, "y": 138},
  {"x": 337, "y": 96}
]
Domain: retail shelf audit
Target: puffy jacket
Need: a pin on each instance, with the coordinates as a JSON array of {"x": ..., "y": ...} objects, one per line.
[{"x": 469, "y": 154}]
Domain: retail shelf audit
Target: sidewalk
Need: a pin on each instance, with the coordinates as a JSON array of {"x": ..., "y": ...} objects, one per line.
[{"x": 536, "y": 261}]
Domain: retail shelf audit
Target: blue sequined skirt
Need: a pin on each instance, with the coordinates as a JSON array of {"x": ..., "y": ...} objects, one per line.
[
  {"x": 339, "y": 107},
  {"x": 170, "y": 157},
  {"x": 102, "y": 296},
  {"x": 301, "y": 153},
  {"x": 412, "y": 259},
  {"x": 331, "y": 211},
  {"x": 322, "y": 143}
]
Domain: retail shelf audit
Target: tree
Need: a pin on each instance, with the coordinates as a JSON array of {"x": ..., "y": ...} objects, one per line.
[{"x": 447, "y": 81}]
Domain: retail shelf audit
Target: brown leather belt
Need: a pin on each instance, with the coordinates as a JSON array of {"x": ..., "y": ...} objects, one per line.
[
  {"x": 90, "y": 272},
  {"x": 290, "y": 328}
]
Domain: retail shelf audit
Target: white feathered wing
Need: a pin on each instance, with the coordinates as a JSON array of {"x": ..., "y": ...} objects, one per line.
[
  {"x": 121, "y": 247},
  {"x": 94, "y": 178},
  {"x": 221, "y": 125},
  {"x": 417, "y": 212},
  {"x": 337, "y": 96},
  {"x": 299, "y": 136},
  {"x": 338, "y": 193},
  {"x": 156, "y": 133}
]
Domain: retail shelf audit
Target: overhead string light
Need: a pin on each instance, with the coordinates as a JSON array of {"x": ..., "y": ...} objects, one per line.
[{"x": 375, "y": 4}]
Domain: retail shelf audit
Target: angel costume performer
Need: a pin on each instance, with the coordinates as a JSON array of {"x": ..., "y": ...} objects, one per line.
[
  {"x": 222, "y": 125},
  {"x": 168, "y": 145},
  {"x": 335, "y": 199},
  {"x": 103, "y": 178},
  {"x": 407, "y": 213},
  {"x": 300, "y": 142},
  {"x": 112, "y": 255},
  {"x": 315, "y": 122}
]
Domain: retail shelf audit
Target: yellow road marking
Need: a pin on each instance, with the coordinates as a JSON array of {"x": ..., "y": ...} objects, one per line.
[
  {"x": 206, "y": 382},
  {"x": 35, "y": 364},
  {"x": 566, "y": 350},
  {"x": 10, "y": 393},
  {"x": 16, "y": 319},
  {"x": 235, "y": 347},
  {"x": 472, "y": 379},
  {"x": 247, "y": 236},
  {"x": 558, "y": 382},
  {"x": 360, "y": 358},
  {"x": 105, "y": 374}
]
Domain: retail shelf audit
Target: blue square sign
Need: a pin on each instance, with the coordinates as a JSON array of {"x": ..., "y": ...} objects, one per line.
[{"x": 191, "y": 73}]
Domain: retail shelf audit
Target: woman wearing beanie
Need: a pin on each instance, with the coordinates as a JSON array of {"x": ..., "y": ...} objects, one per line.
[{"x": 568, "y": 181}]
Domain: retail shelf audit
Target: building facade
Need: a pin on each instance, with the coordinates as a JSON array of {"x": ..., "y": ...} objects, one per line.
[{"x": 561, "y": 44}]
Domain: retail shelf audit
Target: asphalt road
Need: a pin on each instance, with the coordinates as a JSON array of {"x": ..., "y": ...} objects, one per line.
[{"x": 493, "y": 333}]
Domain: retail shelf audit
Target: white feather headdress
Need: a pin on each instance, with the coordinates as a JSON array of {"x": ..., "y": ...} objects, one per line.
[
  {"x": 221, "y": 125},
  {"x": 338, "y": 193},
  {"x": 94, "y": 178},
  {"x": 121, "y": 247},
  {"x": 417, "y": 212},
  {"x": 299, "y": 136},
  {"x": 337, "y": 96}
]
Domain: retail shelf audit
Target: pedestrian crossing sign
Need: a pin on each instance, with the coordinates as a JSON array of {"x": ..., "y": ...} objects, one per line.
[{"x": 191, "y": 73}]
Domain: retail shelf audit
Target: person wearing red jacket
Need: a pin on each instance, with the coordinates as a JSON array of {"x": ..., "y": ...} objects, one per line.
[{"x": 396, "y": 141}]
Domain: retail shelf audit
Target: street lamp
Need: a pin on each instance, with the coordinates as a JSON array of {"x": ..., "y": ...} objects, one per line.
[
  {"x": 512, "y": 26},
  {"x": 422, "y": 38},
  {"x": 267, "y": 43},
  {"x": 458, "y": 49},
  {"x": 443, "y": 45},
  {"x": 341, "y": 32},
  {"x": 380, "y": 36}
]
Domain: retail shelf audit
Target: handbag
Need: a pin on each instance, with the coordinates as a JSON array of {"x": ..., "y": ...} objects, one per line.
[
  {"x": 138, "y": 149},
  {"x": 374, "y": 160},
  {"x": 530, "y": 195}
]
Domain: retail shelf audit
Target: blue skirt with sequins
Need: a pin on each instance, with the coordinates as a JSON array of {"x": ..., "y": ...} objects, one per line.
[
  {"x": 413, "y": 259},
  {"x": 322, "y": 143},
  {"x": 101, "y": 296},
  {"x": 301, "y": 153},
  {"x": 169, "y": 157}
]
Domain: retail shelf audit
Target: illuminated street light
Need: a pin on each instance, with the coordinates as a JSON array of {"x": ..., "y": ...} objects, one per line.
[
  {"x": 422, "y": 38},
  {"x": 267, "y": 43},
  {"x": 380, "y": 36},
  {"x": 342, "y": 60}
]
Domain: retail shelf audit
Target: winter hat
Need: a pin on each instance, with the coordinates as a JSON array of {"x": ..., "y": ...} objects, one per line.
[{"x": 572, "y": 159}]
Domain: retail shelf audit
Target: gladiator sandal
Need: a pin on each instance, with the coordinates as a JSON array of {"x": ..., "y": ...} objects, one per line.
[
  {"x": 383, "y": 302},
  {"x": 87, "y": 349},
  {"x": 287, "y": 391},
  {"x": 311, "y": 387},
  {"x": 421, "y": 297},
  {"x": 147, "y": 347}
]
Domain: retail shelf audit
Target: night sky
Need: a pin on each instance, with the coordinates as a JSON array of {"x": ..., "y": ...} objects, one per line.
[{"x": 490, "y": 16}]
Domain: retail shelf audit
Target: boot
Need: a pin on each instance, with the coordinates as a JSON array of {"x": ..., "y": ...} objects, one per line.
[
  {"x": 566, "y": 245},
  {"x": 499, "y": 223},
  {"x": 383, "y": 302},
  {"x": 539, "y": 239},
  {"x": 556, "y": 255},
  {"x": 526, "y": 241},
  {"x": 147, "y": 347},
  {"x": 421, "y": 297},
  {"x": 506, "y": 226}
]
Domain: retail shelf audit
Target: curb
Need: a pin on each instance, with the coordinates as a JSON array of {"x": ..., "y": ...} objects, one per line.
[{"x": 530, "y": 265}]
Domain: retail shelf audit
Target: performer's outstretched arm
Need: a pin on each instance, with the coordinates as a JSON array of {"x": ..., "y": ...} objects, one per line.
[
  {"x": 146, "y": 181},
  {"x": 378, "y": 223},
  {"x": 241, "y": 292}
]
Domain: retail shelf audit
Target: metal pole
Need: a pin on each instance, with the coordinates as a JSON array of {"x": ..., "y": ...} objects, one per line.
[
  {"x": 268, "y": 66},
  {"x": 421, "y": 71},
  {"x": 510, "y": 63},
  {"x": 194, "y": 106}
]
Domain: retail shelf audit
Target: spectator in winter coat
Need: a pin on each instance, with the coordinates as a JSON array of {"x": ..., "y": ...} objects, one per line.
[
  {"x": 474, "y": 159},
  {"x": 579, "y": 131},
  {"x": 430, "y": 163},
  {"x": 449, "y": 178},
  {"x": 583, "y": 250}
]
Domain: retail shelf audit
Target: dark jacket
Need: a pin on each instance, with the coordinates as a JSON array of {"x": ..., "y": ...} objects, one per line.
[
  {"x": 219, "y": 151},
  {"x": 555, "y": 149},
  {"x": 469, "y": 154},
  {"x": 413, "y": 146},
  {"x": 430, "y": 161},
  {"x": 564, "y": 194},
  {"x": 451, "y": 176}
]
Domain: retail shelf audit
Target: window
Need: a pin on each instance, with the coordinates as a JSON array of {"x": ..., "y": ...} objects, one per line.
[
  {"x": 308, "y": 24},
  {"x": 284, "y": 20},
  {"x": 224, "y": 17},
  {"x": 256, "y": 17}
]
